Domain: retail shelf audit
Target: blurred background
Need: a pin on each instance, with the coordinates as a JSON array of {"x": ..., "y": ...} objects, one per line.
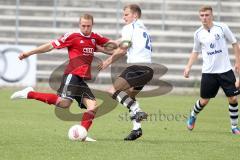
[{"x": 29, "y": 23}]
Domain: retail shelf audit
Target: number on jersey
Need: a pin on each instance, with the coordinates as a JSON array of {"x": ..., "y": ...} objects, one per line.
[{"x": 148, "y": 44}]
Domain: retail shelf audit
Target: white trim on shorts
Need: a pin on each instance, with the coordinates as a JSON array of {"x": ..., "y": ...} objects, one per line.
[{"x": 64, "y": 91}]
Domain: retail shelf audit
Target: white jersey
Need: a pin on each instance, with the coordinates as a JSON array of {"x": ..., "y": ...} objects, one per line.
[
  {"x": 141, "y": 49},
  {"x": 213, "y": 46}
]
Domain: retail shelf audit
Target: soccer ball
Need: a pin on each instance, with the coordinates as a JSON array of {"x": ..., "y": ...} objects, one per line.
[{"x": 77, "y": 133}]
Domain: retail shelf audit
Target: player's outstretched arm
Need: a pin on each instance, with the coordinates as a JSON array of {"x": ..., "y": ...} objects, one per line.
[
  {"x": 108, "y": 48},
  {"x": 119, "y": 52},
  {"x": 193, "y": 57},
  {"x": 41, "y": 49}
]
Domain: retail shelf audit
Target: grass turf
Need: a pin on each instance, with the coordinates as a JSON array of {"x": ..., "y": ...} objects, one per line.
[{"x": 31, "y": 130}]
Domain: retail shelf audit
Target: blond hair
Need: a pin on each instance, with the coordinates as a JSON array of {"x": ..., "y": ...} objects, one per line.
[
  {"x": 134, "y": 9},
  {"x": 205, "y": 8},
  {"x": 86, "y": 16}
]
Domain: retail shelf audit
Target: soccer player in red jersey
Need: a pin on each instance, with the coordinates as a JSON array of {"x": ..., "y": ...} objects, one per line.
[{"x": 81, "y": 47}]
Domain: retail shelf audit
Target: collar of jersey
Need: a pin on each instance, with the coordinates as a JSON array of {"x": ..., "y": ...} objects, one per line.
[{"x": 84, "y": 35}]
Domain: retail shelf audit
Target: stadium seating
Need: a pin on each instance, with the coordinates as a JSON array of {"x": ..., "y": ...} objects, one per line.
[{"x": 170, "y": 22}]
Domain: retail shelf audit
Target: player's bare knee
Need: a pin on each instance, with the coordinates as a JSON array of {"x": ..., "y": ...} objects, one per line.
[
  {"x": 111, "y": 91},
  {"x": 90, "y": 103},
  {"x": 233, "y": 100},
  {"x": 204, "y": 102},
  {"x": 93, "y": 106},
  {"x": 64, "y": 103}
]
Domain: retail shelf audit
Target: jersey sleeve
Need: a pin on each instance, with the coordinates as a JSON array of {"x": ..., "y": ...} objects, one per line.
[
  {"x": 196, "y": 44},
  {"x": 100, "y": 40},
  {"x": 63, "y": 41},
  {"x": 229, "y": 35},
  {"x": 127, "y": 33}
]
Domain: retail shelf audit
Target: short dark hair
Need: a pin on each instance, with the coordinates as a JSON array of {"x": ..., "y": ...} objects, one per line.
[
  {"x": 134, "y": 8},
  {"x": 86, "y": 16},
  {"x": 205, "y": 8}
]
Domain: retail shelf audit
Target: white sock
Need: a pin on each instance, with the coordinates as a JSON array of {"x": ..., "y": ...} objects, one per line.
[
  {"x": 136, "y": 125},
  {"x": 135, "y": 108},
  {"x": 233, "y": 112},
  {"x": 193, "y": 114},
  {"x": 196, "y": 109}
]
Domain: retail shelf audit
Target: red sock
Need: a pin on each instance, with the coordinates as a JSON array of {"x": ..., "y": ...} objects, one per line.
[
  {"x": 87, "y": 119},
  {"x": 48, "y": 98}
]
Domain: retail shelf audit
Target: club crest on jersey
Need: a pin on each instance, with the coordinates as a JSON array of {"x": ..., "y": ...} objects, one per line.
[
  {"x": 217, "y": 37},
  {"x": 93, "y": 41},
  {"x": 212, "y": 45}
]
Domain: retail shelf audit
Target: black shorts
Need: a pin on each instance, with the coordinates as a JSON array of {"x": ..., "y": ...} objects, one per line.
[
  {"x": 137, "y": 76},
  {"x": 73, "y": 87},
  {"x": 210, "y": 84}
]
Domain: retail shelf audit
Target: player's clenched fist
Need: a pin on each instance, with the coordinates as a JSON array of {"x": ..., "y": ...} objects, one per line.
[
  {"x": 186, "y": 72},
  {"x": 23, "y": 55}
]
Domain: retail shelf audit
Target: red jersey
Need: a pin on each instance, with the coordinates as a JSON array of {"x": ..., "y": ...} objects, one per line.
[{"x": 80, "y": 51}]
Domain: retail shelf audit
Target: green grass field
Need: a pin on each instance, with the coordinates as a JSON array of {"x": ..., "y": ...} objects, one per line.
[{"x": 31, "y": 131}]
